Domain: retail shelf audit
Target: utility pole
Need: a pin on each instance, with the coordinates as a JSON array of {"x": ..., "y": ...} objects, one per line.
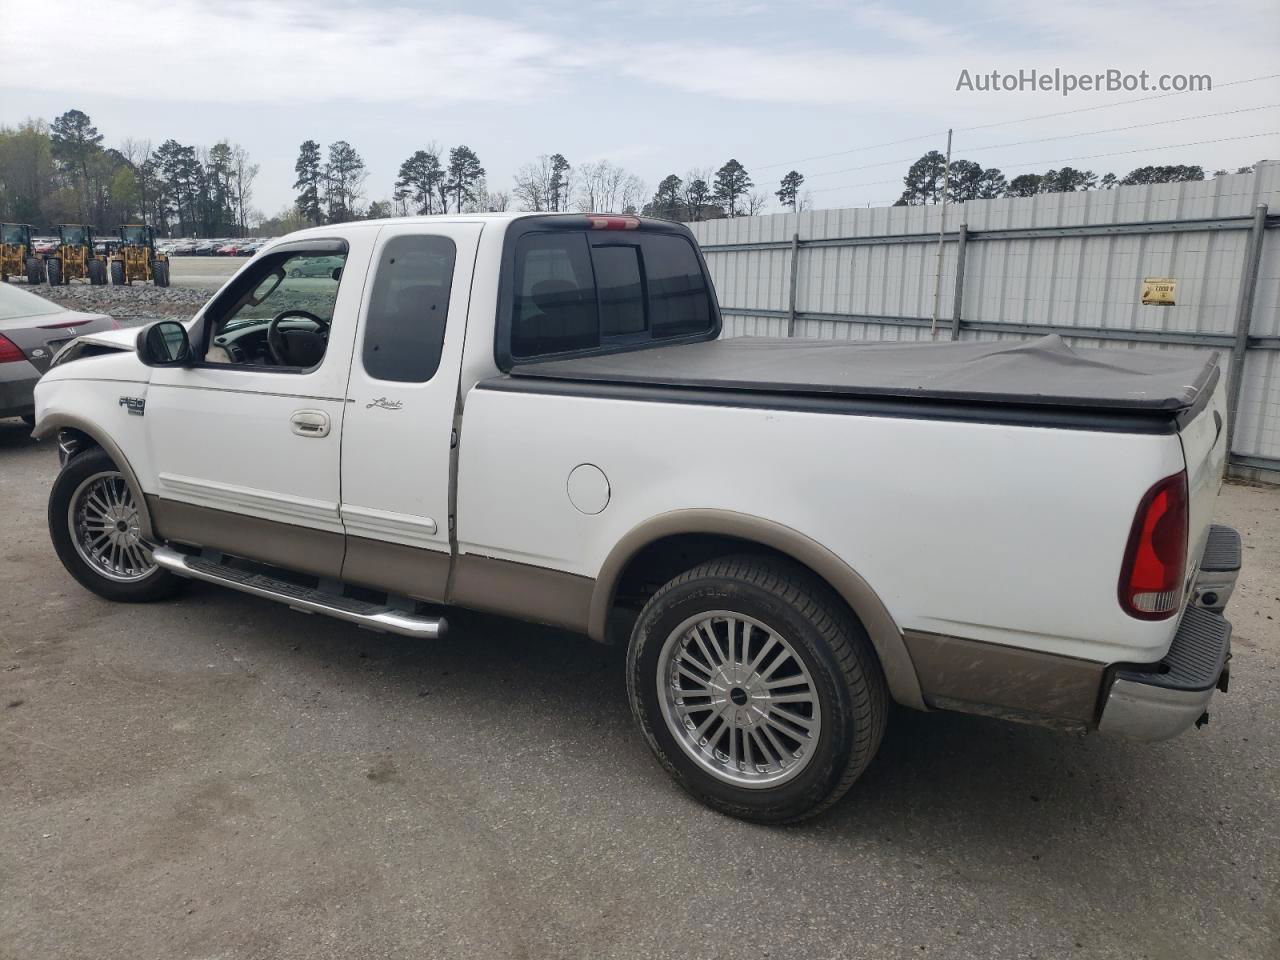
[{"x": 942, "y": 226}]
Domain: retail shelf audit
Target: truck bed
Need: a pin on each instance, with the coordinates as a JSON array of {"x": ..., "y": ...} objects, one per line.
[{"x": 1045, "y": 375}]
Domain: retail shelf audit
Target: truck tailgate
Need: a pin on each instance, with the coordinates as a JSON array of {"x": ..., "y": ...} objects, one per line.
[{"x": 1204, "y": 445}]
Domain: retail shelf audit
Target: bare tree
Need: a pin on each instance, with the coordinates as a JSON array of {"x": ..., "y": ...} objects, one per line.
[
  {"x": 243, "y": 173},
  {"x": 606, "y": 188},
  {"x": 138, "y": 153},
  {"x": 755, "y": 204},
  {"x": 533, "y": 186},
  {"x": 633, "y": 191}
]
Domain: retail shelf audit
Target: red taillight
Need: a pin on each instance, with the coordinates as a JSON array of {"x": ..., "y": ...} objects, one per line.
[
  {"x": 1156, "y": 557},
  {"x": 9, "y": 351},
  {"x": 614, "y": 223}
]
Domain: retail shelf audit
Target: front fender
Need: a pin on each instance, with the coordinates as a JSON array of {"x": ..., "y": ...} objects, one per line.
[{"x": 92, "y": 409}]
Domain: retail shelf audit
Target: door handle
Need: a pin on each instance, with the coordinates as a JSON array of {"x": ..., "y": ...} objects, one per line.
[{"x": 310, "y": 423}]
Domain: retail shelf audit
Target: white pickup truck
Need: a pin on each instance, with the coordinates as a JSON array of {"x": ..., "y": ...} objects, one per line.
[{"x": 535, "y": 415}]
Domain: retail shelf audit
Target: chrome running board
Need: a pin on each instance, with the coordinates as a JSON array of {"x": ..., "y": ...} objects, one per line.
[{"x": 371, "y": 616}]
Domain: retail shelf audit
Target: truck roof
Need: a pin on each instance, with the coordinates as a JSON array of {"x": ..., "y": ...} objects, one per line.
[{"x": 504, "y": 218}]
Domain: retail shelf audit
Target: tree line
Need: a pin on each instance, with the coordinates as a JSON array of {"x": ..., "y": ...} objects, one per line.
[
  {"x": 927, "y": 177},
  {"x": 60, "y": 172}
]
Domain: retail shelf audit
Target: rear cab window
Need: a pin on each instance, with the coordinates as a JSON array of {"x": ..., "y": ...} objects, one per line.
[
  {"x": 408, "y": 307},
  {"x": 571, "y": 288}
]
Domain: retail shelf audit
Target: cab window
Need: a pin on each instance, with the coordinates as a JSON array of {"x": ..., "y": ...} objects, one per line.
[
  {"x": 408, "y": 307},
  {"x": 281, "y": 315},
  {"x": 577, "y": 291}
]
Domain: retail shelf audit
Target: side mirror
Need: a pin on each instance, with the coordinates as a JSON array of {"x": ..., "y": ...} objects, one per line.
[{"x": 164, "y": 344}]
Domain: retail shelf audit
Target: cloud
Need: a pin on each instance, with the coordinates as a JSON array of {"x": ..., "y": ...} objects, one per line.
[{"x": 283, "y": 52}]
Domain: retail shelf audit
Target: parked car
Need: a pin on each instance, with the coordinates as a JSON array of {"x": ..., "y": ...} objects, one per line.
[
  {"x": 205, "y": 248},
  {"x": 32, "y": 330},
  {"x": 534, "y": 415},
  {"x": 44, "y": 245},
  {"x": 314, "y": 266},
  {"x": 183, "y": 248}
]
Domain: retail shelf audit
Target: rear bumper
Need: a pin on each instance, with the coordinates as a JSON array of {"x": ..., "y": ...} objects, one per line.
[
  {"x": 17, "y": 388},
  {"x": 1159, "y": 701}
]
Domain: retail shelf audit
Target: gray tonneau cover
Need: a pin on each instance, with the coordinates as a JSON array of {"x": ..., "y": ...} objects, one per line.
[{"x": 1042, "y": 372}]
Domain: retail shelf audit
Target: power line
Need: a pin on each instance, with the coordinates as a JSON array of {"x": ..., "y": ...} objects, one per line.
[
  {"x": 1065, "y": 136},
  {"x": 1118, "y": 103},
  {"x": 1168, "y": 146},
  {"x": 1132, "y": 126},
  {"x": 1005, "y": 123},
  {"x": 1092, "y": 156},
  {"x": 841, "y": 153}
]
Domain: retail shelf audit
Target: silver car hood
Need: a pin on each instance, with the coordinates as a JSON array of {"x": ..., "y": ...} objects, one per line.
[{"x": 123, "y": 341}]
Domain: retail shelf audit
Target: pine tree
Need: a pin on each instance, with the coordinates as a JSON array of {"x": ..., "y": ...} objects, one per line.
[
  {"x": 419, "y": 177},
  {"x": 464, "y": 175},
  {"x": 788, "y": 193},
  {"x": 308, "y": 183},
  {"x": 558, "y": 188},
  {"x": 732, "y": 182}
]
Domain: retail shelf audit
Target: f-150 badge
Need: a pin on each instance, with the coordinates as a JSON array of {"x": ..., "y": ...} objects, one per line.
[
  {"x": 384, "y": 404},
  {"x": 136, "y": 406}
]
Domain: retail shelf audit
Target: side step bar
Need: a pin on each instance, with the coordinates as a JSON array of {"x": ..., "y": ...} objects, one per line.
[{"x": 371, "y": 616}]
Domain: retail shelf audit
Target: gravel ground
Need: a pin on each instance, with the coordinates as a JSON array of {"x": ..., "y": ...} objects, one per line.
[
  {"x": 192, "y": 281},
  {"x": 221, "y": 777}
]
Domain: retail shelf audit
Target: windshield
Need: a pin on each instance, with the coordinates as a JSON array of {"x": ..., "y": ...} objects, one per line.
[
  {"x": 74, "y": 236},
  {"x": 16, "y": 303},
  {"x": 135, "y": 235},
  {"x": 12, "y": 233}
]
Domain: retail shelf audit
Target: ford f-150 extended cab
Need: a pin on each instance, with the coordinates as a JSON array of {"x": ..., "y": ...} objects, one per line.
[{"x": 535, "y": 415}]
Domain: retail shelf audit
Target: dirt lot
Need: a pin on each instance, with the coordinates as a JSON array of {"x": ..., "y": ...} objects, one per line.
[
  {"x": 221, "y": 777},
  {"x": 193, "y": 281}
]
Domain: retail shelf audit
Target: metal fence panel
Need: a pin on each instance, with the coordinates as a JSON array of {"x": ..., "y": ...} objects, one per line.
[{"x": 1050, "y": 263}]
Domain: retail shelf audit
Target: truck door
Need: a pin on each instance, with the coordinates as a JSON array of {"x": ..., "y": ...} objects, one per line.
[
  {"x": 244, "y": 445},
  {"x": 403, "y": 388}
]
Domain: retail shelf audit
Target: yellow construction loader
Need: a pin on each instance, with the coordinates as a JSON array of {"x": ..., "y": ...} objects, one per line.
[
  {"x": 75, "y": 258},
  {"x": 17, "y": 256},
  {"x": 135, "y": 257}
]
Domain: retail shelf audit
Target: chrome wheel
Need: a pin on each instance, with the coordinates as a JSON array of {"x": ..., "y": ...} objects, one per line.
[
  {"x": 738, "y": 699},
  {"x": 103, "y": 520}
]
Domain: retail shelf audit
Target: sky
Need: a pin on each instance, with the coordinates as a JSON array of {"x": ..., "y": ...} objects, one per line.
[{"x": 656, "y": 86}]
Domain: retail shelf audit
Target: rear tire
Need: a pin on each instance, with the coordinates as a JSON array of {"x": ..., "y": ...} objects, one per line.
[
  {"x": 88, "y": 492},
  {"x": 795, "y": 641},
  {"x": 53, "y": 270},
  {"x": 35, "y": 271},
  {"x": 160, "y": 273},
  {"x": 97, "y": 273},
  {"x": 117, "y": 273}
]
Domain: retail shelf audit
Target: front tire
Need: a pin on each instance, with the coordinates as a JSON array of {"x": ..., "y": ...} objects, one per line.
[
  {"x": 756, "y": 688},
  {"x": 53, "y": 269},
  {"x": 97, "y": 273},
  {"x": 35, "y": 271},
  {"x": 160, "y": 273},
  {"x": 93, "y": 522},
  {"x": 117, "y": 273}
]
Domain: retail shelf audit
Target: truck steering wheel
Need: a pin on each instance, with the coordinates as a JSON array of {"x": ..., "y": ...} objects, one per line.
[{"x": 276, "y": 342}]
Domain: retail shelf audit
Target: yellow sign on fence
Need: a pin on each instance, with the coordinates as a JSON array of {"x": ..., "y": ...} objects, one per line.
[{"x": 1159, "y": 291}]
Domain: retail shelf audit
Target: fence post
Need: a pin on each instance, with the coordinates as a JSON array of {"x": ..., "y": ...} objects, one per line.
[
  {"x": 958, "y": 299},
  {"x": 1244, "y": 314},
  {"x": 795, "y": 263}
]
